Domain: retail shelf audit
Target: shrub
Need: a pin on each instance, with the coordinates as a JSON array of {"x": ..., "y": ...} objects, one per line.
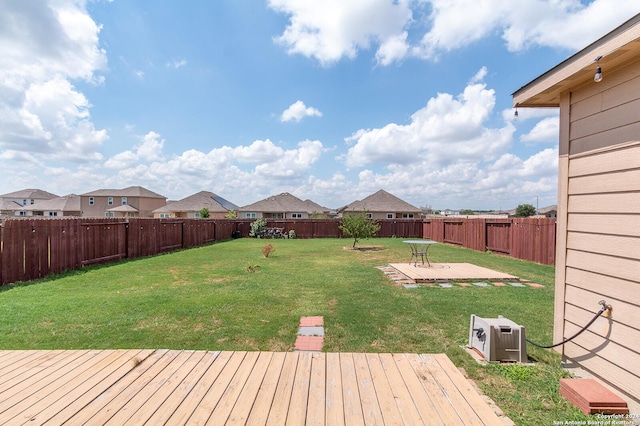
[
  {"x": 292, "y": 234},
  {"x": 251, "y": 267},
  {"x": 256, "y": 227},
  {"x": 268, "y": 249}
]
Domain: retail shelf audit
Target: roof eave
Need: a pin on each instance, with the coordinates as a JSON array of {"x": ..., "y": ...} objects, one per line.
[{"x": 544, "y": 91}]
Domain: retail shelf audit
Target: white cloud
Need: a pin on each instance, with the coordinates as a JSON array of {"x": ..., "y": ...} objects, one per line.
[
  {"x": 20, "y": 157},
  {"x": 502, "y": 183},
  {"x": 176, "y": 63},
  {"x": 45, "y": 46},
  {"x": 480, "y": 75},
  {"x": 546, "y": 130},
  {"x": 297, "y": 111},
  {"x": 394, "y": 48},
  {"x": 329, "y": 30},
  {"x": 270, "y": 167},
  {"x": 150, "y": 149},
  {"x": 447, "y": 129},
  {"x": 292, "y": 163},
  {"x": 566, "y": 24}
]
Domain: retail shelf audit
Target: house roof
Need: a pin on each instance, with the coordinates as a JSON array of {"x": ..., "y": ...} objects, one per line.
[
  {"x": 67, "y": 203},
  {"x": 381, "y": 201},
  {"x": 125, "y": 209},
  {"x": 315, "y": 207},
  {"x": 198, "y": 201},
  {"x": 283, "y": 203},
  {"x": 33, "y": 194},
  {"x": 132, "y": 191},
  {"x": 10, "y": 206},
  {"x": 616, "y": 49}
]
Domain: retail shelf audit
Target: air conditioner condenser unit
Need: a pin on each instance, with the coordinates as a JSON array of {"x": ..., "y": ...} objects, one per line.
[{"x": 498, "y": 339}]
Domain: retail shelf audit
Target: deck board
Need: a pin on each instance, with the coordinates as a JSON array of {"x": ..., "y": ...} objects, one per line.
[
  {"x": 450, "y": 272},
  {"x": 317, "y": 390},
  {"x": 99, "y": 387}
]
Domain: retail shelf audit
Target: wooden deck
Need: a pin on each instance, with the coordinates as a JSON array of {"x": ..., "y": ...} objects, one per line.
[
  {"x": 450, "y": 272},
  {"x": 170, "y": 387}
]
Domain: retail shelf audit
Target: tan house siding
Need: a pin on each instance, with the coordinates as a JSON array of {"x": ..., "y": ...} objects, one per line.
[
  {"x": 603, "y": 261},
  {"x": 599, "y": 232},
  {"x": 608, "y": 113},
  {"x": 101, "y": 205},
  {"x": 98, "y": 207},
  {"x": 146, "y": 206}
]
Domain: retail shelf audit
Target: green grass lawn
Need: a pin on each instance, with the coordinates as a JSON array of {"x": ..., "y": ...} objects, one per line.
[{"x": 204, "y": 298}]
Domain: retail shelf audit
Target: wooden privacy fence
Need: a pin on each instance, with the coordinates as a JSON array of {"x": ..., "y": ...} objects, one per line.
[
  {"x": 532, "y": 239},
  {"x": 35, "y": 248}
]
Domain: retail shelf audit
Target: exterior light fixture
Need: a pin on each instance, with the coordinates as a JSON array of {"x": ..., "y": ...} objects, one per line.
[
  {"x": 598, "y": 76},
  {"x": 515, "y": 114}
]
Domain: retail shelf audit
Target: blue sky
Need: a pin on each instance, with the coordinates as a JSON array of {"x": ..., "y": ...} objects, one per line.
[{"x": 326, "y": 99}]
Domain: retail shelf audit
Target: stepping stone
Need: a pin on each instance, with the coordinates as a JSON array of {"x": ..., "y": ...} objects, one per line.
[
  {"x": 592, "y": 397},
  {"x": 384, "y": 268},
  {"x": 445, "y": 285},
  {"x": 535, "y": 285},
  {"x": 464, "y": 284},
  {"x": 410, "y": 285},
  {"x": 499, "y": 284},
  {"x": 516, "y": 284},
  {"x": 311, "y": 321},
  {"x": 397, "y": 277},
  {"x": 311, "y": 331},
  {"x": 480, "y": 284},
  {"x": 309, "y": 343}
]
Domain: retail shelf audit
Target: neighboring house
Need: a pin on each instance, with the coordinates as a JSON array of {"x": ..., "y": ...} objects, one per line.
[
  {"x": 549, "y": 211},
  {"x": 598, "y": 236},
  {"x": 69, "y": 205},
  {"x": 134, "y": 201},
  {"x": 24, "y": 198},
  {"x": 190, "y": 206},
  {"x": 282, "y": 206},
  {"x": 382, "y": 205}
]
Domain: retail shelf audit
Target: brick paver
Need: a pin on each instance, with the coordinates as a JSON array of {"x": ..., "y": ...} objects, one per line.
[
  {"x": 311, "y": 321},
  {"x": 309, "y": 343}
]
